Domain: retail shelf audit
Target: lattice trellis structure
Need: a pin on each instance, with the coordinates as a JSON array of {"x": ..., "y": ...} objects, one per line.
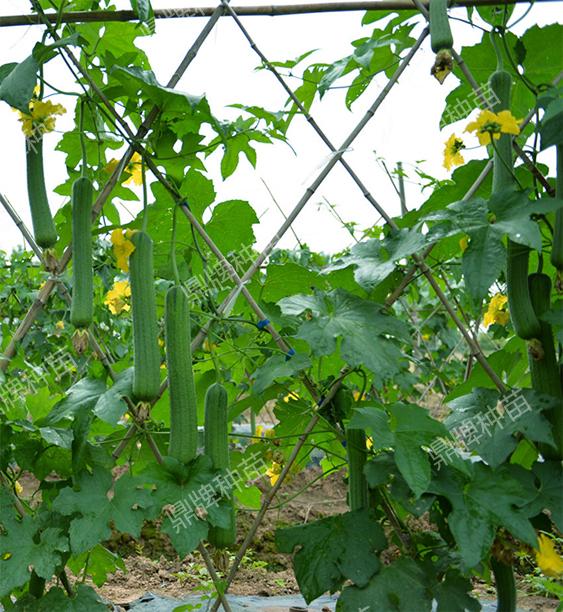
[{"x": 135, "y": 139}]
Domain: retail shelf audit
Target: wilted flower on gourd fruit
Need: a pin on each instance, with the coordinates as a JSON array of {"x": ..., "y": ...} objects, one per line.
[
  {"x": 547, "y": 558},
  {"x": 452, "y": 155},
  {"x": 41, "y": 117},
  {"x": 134, "y": 168},
  {"x": 489, "y": 125},
  {"x": 116, "y": 298},
  {"x": 273, "y": 473},
  {"x": 496, "y": 312},
  {"x": 122, "y": 248},
  {"x": 463, "y": 243}
]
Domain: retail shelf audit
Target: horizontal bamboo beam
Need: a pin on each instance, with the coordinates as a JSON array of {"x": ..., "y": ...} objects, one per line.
[{"x": 271, "y": 10}]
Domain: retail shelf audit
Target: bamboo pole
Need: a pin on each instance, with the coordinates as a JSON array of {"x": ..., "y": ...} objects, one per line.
[{"x": 268, "y": 10}]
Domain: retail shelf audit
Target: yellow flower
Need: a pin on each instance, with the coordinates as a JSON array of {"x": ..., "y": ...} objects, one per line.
[
  {"x": 116, "y": 298},
  {"x": 208, "y": 346},
  {"x": 357, "y": 398},
  {"x": 134, "y": 168},
  {"x": 452, "y": 155},
  {"x": 122, "y": 248},
  {"x": 496, "y": 312},
  {"x": 550, "y": 563},
  {"x": 489, "y": 125},
  {"x": 369, "y": 442},
  {"x": 426, "y": 337},
  {"x": 18, "y": 488},
  {"x": 60, "y": 324},
  {"x": 291, "y": 396},
  {"x": 463, "y": 243},
  {"x": 273, "y": 473},
  {"x": 41, "y": 118}
]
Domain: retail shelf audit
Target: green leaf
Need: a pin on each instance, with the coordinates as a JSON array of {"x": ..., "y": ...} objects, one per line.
[
  {"x": 18, "y": 84},
  {"x": 134, "y": 79},
  {"x": 550, "y": 475},
  {"x": 491, "y": 499},
  {"x": 551, "y": 128},
  {"x": 5, "y": 70},
  {"x": 399, "y": 587},
  {"x": 375, "y": 420},
  {"x": 276, "y": 367},
  {"x": 288, "y": 279},
  {"x": 333, "y": 550},
  {"x": 85, "y": 598},
  {"x": 512, "y": 210},
  {"x": 111, "y": 406},
  {"x": 413, "y": 463},
  {"x": 101, "y": 563},
  {"x": 231, "y": 224},
  {"x": 81, "y": 398},
  {"x": 142, "y": 8},
  {"x": 452, "y": 594},
  {"x": 492, "y": 435},
  {"x": 376, "y": 259},
  {"x": 127, "y": 508},
  {"x": 363, "y": 328},
  {"x": 176, "y": 483},
  {"x": 482, "y": 262},
  {"x": 24, "y": 546}
]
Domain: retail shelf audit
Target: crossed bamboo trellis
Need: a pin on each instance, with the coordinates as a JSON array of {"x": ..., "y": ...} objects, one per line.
[{"x": 134, "y": 140}]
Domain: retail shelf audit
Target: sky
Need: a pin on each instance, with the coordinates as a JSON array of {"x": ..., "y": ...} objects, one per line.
[{"x": 405, "y": 128}]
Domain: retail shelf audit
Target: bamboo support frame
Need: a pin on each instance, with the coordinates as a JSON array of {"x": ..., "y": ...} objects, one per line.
[
  {"x": 270, "y": 10},
  {"x": 240, "y": 282},
  {"x": 337, "y": 156}
]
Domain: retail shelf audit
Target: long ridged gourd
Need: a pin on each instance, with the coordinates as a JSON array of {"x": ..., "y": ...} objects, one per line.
[
  {"x": 440, "y": 31},
  {"x": 146, "y": 373},
  {"x": 544, "y": 369},
  {"x": 183, "y": 405},
  {"x": 505, "y": 586},
  {"x": 82, "y": 307},
  {"x": 43, "y": 225},
  {"x": 357, "y": 454},
  {"x": 217, "y": 449},
  {"x": 522, "y": 314},
  {"x": 557, "y": 245}
]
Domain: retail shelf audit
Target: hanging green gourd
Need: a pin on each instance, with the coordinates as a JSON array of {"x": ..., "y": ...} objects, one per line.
[
  {"x": 183, "y": 405},
  {"x": 217, "y": 449},
  {"x": 82, "y": 306},
  {"x": 146, "y": 373},
  {"x": 357, "y": 456},
  {"x": 557, "y": 244},
  {"x": 43, "y": 225},
  {"x": 522, "y": 314}
]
